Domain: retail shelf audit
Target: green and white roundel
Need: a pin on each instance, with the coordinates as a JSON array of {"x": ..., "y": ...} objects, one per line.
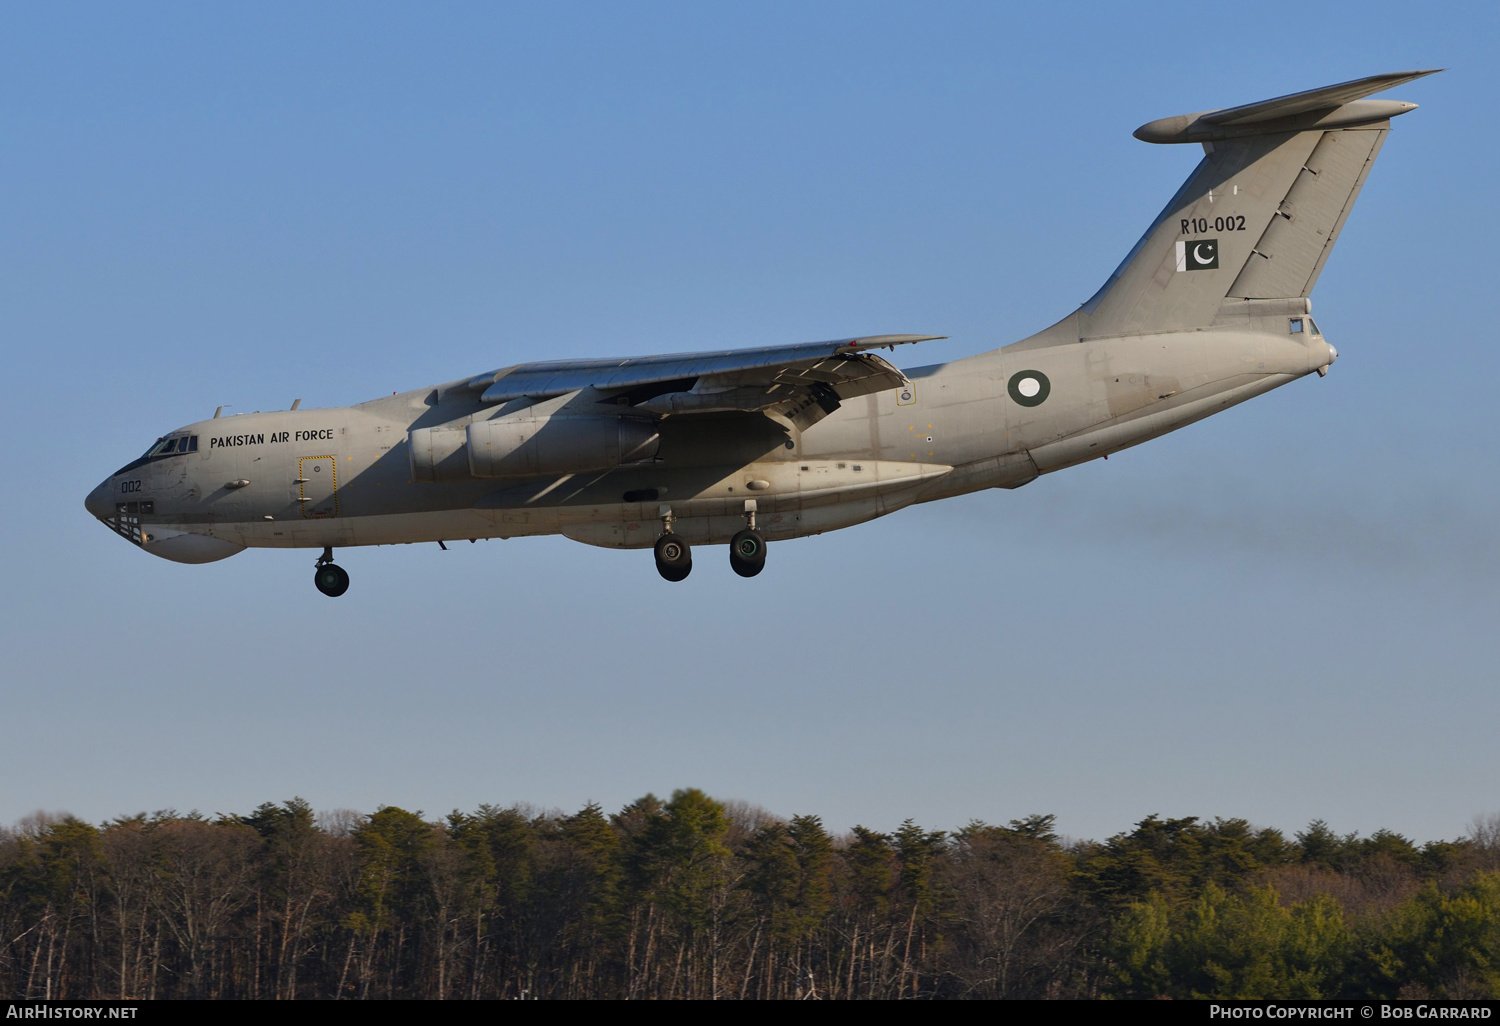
[{"x": 1029, "y": 387}]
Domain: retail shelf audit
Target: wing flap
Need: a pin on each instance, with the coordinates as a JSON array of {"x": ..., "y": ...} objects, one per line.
[{"x": 791, "y": 388}]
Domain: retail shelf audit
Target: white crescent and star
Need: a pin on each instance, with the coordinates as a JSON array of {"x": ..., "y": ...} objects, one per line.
[{"x": 1198, "y": 254}]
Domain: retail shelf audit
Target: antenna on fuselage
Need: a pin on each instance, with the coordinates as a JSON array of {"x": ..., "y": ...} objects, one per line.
[
  {"x": 217, "y": 412},
  {"x": 296, "y": 403}
]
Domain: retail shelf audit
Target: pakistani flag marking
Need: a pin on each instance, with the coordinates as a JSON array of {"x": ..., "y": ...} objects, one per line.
[{"x": 1202, "y": 255}]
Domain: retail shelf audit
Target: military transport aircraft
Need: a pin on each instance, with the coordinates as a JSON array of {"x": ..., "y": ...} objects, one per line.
[{"x": 1210, "y": 308}]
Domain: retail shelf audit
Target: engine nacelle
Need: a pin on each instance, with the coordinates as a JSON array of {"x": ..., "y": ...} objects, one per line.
[
  {"x": 527, "y": 446},
  {"x": 439, "y": 454},
  {"x": 522, "y": 446}
]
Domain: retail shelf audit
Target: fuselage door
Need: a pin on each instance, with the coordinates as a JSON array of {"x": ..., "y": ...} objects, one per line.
[{"x": 317, "y": 486}]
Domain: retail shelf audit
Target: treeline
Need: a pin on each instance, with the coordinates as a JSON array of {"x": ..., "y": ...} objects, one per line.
[{"x": 688, "y": 898}]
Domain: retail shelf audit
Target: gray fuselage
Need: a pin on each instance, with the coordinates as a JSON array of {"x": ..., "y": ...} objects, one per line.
[{"x": 343, "y": 476}]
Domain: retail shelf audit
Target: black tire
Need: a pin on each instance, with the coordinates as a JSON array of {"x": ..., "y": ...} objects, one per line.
[
  {"x": 674, "y": 574},
  {"x": 747, "y": 553},
  {"x": 331, "y": 579},
  {"x": 674, "y": 557}
]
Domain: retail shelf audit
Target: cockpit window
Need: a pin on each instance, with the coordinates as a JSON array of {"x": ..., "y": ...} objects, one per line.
[
  {"x": 171, "y": 446},
  {"x": 177, "y": 445},
  {"x": 1296, "y": 327},
  {"x": 1312, "y": 326}
]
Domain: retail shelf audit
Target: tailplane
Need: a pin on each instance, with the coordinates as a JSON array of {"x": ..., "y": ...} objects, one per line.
[{"x": 1258, "y": 216}]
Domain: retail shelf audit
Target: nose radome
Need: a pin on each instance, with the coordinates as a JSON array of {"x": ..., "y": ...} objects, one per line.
[
  {"x": 98, "y": 502},
  {"x": 1323, "y": 360}
]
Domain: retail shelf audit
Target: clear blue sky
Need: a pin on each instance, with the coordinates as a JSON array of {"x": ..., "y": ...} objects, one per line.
[{"x": 1284, "y": 613}]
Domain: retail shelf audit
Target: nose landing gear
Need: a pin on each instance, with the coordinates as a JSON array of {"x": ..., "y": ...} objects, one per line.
[{"x": 332, "y": 580}]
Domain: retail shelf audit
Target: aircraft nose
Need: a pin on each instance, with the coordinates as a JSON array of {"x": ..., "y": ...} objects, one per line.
[
  {"x": 98, "y": 501},
  {"x": 1325, "y": 360}
]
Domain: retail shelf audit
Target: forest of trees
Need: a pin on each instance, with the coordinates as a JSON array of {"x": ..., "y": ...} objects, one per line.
[{"x": 693, "y": 898}]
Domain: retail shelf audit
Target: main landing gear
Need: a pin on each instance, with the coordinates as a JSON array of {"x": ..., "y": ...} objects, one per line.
[
  {"x": 332, "y": 580},
  {"x": 747, "y": 550},
  {"x": 674, "y": 557}
]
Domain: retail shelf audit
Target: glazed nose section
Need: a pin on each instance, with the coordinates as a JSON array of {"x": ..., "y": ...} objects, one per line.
[{"x": 100, "y": 500}]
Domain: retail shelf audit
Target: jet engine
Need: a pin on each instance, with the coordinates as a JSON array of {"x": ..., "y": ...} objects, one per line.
[
  {"x": 438, "y": 454},
  {"x": 522, "y": 446}
]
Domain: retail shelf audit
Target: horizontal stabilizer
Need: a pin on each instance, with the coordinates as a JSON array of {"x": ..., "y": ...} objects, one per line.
[{"x": 1328, "y": 107}]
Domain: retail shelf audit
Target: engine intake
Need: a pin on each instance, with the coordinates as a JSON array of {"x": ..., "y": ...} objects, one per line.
[{"x": 439, "y": 454}]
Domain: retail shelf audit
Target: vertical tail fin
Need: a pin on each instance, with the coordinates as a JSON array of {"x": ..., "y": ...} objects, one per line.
[
  {"x": 1291, "y": 251},
  {"x": 1259, "y": 215}
]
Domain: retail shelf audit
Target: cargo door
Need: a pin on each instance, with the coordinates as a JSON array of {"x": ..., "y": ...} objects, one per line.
[{"x": 318, "y": 487}]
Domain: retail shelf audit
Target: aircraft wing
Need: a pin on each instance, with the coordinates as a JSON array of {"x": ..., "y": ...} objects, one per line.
[{"x": 792, "y": 377}]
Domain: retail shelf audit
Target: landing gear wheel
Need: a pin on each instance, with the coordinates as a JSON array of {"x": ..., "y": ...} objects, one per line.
[
  {"x": 331, "y": 579},
  {"x": 674, "y": 557},
  {"x": 747, "y": 553}
]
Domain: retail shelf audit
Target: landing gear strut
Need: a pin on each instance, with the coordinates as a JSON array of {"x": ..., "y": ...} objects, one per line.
[
  {"x": 747, "y": 550},
  {"x": 332, "y": 580},
  {"x": 674, "y": 557}
]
